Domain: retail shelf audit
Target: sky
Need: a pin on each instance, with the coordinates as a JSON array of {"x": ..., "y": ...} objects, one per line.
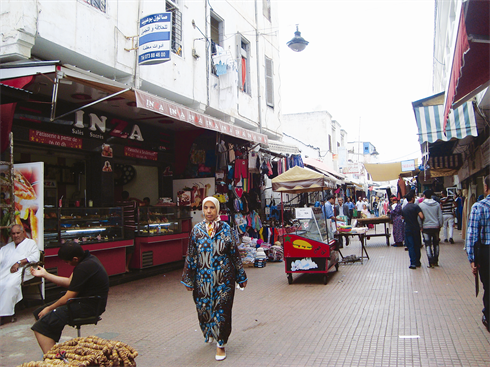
[{"x": 366, "y": 62}]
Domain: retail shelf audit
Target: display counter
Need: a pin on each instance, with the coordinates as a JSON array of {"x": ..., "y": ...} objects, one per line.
[
  {"x": 162, "y": 235},
  {"x": 99, "y": 230}
]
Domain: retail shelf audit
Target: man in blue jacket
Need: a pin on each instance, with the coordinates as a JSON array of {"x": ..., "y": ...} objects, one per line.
[{"x": 478, "y": 246}]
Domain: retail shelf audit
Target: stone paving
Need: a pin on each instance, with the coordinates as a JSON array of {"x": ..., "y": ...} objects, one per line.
[{"x": 380, "y": 313}]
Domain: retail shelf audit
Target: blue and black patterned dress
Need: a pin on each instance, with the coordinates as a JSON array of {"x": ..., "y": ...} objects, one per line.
[{"x": 212, "y": 267}]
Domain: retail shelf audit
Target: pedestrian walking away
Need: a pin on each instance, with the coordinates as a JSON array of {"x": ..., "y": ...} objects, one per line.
[
  {"x": 447, "y": 206},
  {"x": 411, "y": 214},
  {"x": 212, "y": 267},
  {"x": 478, "y": 246},
  {"x": 431, "y": 227}
]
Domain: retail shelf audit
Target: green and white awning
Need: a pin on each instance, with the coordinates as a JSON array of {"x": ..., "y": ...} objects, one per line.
[{"x": 461, "y": 122}]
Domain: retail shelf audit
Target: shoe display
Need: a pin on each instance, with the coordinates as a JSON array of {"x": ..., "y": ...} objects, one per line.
[
  {"x": 412, "y": 267},
  {"x": 451, "y": 240}
]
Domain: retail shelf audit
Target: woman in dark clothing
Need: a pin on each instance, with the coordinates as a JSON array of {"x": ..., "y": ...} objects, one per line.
[
  {"x": 396, "y": 217},
  {"x": 212, "y": 267}
]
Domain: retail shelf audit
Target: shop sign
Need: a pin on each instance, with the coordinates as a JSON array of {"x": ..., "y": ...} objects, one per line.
[
  {"x": 140, "y": 153},
  {"x": 154, "y": 40},
  {"x": 42, "y": 137},
  {"x": 350, "y": 169},
  {"x": 408, "y": 166},
  {"x": 159, "y": 105},
  {"x": 98, "y": 127}
]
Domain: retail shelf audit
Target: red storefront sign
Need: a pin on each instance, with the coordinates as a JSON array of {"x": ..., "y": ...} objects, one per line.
[
  {"x": 140, "y": 153},
  {"x": 178, "y": 112},
  {"x": 64, "y": 141}
]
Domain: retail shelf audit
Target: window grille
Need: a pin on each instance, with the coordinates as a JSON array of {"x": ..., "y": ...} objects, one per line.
[{"x": 176, "y": 44}]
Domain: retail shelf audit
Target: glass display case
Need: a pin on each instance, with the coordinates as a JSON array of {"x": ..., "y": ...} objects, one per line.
[
  {"x": 160, "y": 220},
  {"x": 82, "y": 225},
  {"x": 311, "y": 224}
]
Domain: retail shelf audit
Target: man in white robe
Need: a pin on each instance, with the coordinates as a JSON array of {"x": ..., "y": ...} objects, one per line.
[{"x": 13, "y": 257}]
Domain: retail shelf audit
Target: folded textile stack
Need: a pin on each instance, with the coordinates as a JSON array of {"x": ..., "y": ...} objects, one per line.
[{"x": 344, "y": 228}]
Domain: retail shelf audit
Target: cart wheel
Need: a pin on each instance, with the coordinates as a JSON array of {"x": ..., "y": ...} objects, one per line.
[
  {"x": 325, "y": 279},
  {"x": 337, "y": 267},
  {"x": 290, "y": 278}
]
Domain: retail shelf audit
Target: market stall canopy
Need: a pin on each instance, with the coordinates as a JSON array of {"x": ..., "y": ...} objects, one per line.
[
  {"x": 470, "y": 67},
  {"x": 389, "y": 171},
  {"x": 323, "y": 167},
  {"x": 429, "y": 114},
  {"x": 297, "y": 180}
]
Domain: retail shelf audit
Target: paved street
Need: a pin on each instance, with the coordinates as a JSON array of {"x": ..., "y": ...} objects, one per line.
[{"x": 379, "y": 313}]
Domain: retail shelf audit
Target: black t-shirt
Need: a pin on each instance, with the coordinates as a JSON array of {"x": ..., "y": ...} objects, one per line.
[
  {"x": 90, "y": 279},
  {"x": 410, "y": 214}
]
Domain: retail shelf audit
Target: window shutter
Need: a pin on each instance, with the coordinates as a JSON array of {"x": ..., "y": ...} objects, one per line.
[{"x": 269, "y": 85}]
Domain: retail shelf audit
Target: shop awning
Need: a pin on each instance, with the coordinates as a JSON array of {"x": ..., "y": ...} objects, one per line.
[
  {"x": 470, "y": 72},
  {"x": 323, "y": 167},
  {"x": 429, "y": 117},
  {"x": 298, "y": 180},
  {"x": 386, "y": 171},
  {"x": 171, "y": 109},
  {"x": 67, "y": 83},
  {"x": 282, "y": 148}
]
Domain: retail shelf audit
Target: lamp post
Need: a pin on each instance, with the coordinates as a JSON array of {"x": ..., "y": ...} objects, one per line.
[{"x": 298, "y": 43}]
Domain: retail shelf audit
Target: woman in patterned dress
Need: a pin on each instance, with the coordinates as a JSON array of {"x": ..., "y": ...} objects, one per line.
[
  {"x": 398, "y": 226},
  {"x": 212, "y": 267}
]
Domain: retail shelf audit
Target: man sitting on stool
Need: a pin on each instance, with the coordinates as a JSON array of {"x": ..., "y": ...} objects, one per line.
[{"x": 89, "y": 278}]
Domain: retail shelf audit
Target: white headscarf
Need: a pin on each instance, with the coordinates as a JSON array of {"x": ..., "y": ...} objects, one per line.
[
  {"x": 214, "y": 201},
  {"x": 212, "y": 226}
]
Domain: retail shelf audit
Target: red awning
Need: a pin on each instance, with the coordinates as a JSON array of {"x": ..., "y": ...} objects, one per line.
[
  {"x": 162, "y": 106},
  {"x": 470, "y": 72}
]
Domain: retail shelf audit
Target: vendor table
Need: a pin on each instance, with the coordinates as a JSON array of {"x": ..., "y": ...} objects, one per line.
[
  {"x": 377, "y": 220},
  {"x": 361, "y": 232}
]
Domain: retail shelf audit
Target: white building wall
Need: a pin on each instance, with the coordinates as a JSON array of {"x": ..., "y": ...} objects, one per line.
[
  {"x": 310, "y": 131},
  {"x": 78, "y": 34}
]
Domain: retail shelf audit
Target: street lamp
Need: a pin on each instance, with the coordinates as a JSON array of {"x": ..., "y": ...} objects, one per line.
[{"x": 298, "y": 43}]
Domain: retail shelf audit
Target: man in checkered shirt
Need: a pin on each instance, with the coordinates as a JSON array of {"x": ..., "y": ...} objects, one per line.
[{"x": 479, "y": 230}]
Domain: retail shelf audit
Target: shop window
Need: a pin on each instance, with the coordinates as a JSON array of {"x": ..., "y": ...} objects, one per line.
[
  {"x": 176, "y": 45},
  {"x": 266, "y": 9},
  {"x": 269, "y": 82},
  {"x": 98, "y": 4},
  {"x": 243, "y": 55},
  {"x": 217, "y": 32}
]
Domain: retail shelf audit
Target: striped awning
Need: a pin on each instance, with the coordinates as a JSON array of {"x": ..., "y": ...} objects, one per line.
[{"x": 461, "y": 123}]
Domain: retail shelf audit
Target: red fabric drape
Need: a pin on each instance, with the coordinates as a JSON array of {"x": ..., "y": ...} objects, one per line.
[
  {"x": 462, "y": 46},
  {"x": 7, "y": 111},
  {"x": 244, "y": 71}
]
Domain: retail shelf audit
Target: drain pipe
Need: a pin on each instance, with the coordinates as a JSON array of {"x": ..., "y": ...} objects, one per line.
[{"x": 259, "y": 94}]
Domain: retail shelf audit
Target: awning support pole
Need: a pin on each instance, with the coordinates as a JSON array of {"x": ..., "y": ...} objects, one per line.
[
  {"x": 54, "y": 97},
  {"x": 91, "y": 104}
]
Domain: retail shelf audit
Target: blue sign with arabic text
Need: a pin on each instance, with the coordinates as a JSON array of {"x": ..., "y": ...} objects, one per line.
[{"x": 155, "y": 38}]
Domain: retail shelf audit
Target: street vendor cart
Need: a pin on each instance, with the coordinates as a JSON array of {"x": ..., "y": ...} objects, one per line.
[{"x": 308, "y": 249}]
